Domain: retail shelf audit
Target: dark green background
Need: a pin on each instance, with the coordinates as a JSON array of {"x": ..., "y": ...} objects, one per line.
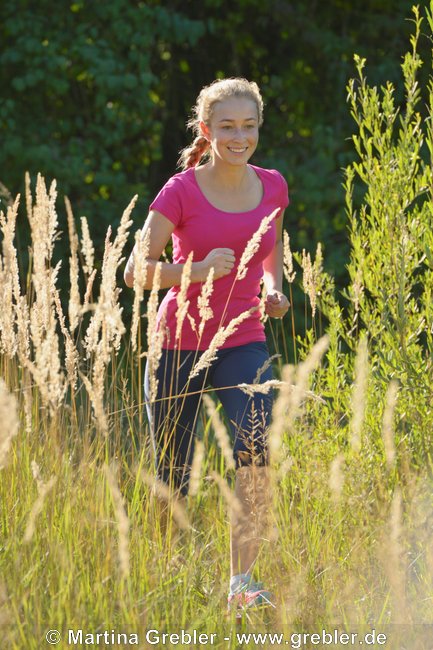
[{"x": 96, "y": 95}]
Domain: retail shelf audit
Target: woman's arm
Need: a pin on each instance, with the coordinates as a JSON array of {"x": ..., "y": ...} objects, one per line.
[
  {"x": 276, "y": 304},
  {"x": 221, "y": 259},
  {"x": 160, "y": 232}
]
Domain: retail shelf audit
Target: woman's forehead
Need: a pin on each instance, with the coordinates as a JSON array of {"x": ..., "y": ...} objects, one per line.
[{"x": 234, "y": 108}]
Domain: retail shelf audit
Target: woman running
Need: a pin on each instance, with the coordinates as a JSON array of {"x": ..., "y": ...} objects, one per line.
[{"x": 213, "y": 209}]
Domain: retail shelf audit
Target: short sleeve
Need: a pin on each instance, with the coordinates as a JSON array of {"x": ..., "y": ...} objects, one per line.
[
  {"x": 169, "y": 201},
  {"x": 282, "y": 191}
]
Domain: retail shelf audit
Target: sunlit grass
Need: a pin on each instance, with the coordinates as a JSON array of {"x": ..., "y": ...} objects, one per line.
[{"x": 88, "y": 541}]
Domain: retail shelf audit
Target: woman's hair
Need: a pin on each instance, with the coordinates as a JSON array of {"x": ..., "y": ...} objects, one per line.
[{"x": 217, "y": 91}]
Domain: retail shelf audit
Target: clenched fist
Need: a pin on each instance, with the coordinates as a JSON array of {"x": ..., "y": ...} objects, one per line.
[
  {"x": 221, "y": 259},
  {"x": 276, "y": 304}
]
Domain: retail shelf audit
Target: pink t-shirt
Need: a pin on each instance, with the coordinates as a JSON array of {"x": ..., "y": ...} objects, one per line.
[{"x": 200, "y": 227}]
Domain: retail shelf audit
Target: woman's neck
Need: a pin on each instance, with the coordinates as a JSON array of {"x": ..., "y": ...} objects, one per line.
[{"x": 228, "y": 176}]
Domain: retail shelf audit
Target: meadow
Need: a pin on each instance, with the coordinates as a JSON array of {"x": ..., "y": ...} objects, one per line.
[{"x": 83, "y": 545}]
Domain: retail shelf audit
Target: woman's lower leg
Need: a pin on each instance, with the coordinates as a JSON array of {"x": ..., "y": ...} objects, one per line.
[{"x": 249, "y": 517}]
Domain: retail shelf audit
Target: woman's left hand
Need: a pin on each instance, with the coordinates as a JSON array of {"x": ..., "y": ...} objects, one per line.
[{"x": 276, "y": 304}]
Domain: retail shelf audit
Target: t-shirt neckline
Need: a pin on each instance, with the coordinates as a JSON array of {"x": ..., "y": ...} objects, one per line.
[{"x": 255, "y": 170}]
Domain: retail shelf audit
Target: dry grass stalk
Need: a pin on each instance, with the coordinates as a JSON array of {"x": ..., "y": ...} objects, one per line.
[
  {"x": 283, "y": 470},
  {"x": 101, "y": 360},
  {"x": 71, "y": 353},
  {"x": 267, "y": 364},
  {"x": 289, "y": 401},
  {"x": 87, "y": 247},
  {"x": 8, "y": 341},
  {"x": 26, "y": 392},
  {"x": 162, "y": 490},
  {"x": 303, "y": 372},
  {"x": 359, "y": 393},
  {"x": 8, "y": 228},
  {"x": 106, "y": 328},
  {"x": 88, "y": 293},
  {"x": 97, "y": 404},
  {"x": 220, "y": 337},
  {"x": 253, "y": 245},
  {"x": 197, "y": 462},
  {"x": 265, "y": 387},
  {"x": 312, "y": 275},
  {"x": 387, "y": 427},
  {"x": 294, "y": 595},
  {"x": 279, "y": 410},
  {"x": 14, "y": 311},
  {"x": 43, "y": 490},
  {"x": 336, "y": 477},
  {"x": 221, "y": 434},
  {"x": 74, "y": 294},
  {"x": 289, "y": 273},
  {"x": 44, "y": 388},
  {"x": 43, "y": 223},
  {"x": 141, "y": 253},
  {"x": 122, "y": 521},
  {"x": 36, "y": 471},
  {"x": 23, "y": 327},
  {"x": 307, "y": 281},
  {"x": 393, "y": 561},
  {"x": 205, "y": 310},
  {"x": 45, "y": 368},
  {"x": 182, "y": 302},
  {"x": 155, "y": 337},
  {"x": 9, "y": 284},
  {"x": 234, "y": 505},
  {"x": 106, "y": 316},
  {"x": 108, "y": 311},
  {"x": 192, "y": 323},
  {"x": 253, "y": 489},
  {"x": 9, "y": 421}
]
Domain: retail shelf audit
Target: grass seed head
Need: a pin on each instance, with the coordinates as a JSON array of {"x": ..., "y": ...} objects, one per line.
[
  {"x": 253, "y": 245},
  {"x": 140, "y": 255},
  {"x": 9, "y": 421},
  {"x": 87, "y": 247},
  {"x": 289, "y": 273}
]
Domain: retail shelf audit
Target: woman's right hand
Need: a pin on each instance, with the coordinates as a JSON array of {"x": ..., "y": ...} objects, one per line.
[{"x": 221, "y": 259}]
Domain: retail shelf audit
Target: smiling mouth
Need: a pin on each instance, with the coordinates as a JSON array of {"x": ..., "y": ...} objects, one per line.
[{"x": 237, "y": 149}]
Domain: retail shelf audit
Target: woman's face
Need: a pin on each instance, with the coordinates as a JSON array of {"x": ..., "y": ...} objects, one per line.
[{"x": 233, "y": 130}]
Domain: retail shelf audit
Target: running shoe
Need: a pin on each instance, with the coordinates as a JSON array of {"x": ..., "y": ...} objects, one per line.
[{"x": 245, "y": 594}]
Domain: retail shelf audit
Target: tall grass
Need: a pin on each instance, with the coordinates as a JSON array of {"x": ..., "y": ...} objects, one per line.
[{"x": 89, "y": 537}]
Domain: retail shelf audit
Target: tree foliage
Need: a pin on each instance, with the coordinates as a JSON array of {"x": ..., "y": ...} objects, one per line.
[
  {"x": 96, "y": 95},
  {"x": 80, "y": 97}
]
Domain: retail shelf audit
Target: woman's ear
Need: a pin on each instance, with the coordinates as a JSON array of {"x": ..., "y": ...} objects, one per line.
[{"x": 204, "y": 131}]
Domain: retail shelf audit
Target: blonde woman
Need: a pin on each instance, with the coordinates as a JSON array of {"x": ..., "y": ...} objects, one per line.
[{"x": 212, "y": 209}]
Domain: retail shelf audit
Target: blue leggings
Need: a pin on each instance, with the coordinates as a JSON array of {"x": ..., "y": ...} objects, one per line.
[{"x": 173, "y": 414}]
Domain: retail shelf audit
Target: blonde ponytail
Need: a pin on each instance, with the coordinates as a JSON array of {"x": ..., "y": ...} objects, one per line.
[{"x": 191, "y": 156}]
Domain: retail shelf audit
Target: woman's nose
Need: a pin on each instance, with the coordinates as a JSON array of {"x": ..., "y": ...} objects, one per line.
[{"x": 239, "y": 134}]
